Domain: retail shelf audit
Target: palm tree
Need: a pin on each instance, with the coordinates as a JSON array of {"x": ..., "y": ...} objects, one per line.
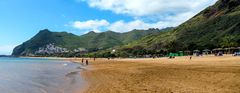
[{"x": 228, "y": 41}]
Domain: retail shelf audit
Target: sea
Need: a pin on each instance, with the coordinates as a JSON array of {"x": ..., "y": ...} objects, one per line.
[{"x": 39, "y": 75}]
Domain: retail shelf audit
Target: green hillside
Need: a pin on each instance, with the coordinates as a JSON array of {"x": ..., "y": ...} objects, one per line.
[
  {"x": 209, "y": 29},
  {"x": 90, "y": 41}
]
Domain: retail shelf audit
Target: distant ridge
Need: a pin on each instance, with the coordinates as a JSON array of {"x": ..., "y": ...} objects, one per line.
[{"x": 5, "y": 56}]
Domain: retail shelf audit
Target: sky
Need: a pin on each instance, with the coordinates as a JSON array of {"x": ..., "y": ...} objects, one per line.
[{"x": 20, "y": 20}]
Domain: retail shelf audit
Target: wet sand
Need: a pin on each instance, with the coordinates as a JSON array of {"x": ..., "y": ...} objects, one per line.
[{"x": 206, "y": 74}]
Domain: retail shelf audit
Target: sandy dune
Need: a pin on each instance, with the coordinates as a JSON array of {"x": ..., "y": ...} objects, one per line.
[{"x": 206, "y": 74}]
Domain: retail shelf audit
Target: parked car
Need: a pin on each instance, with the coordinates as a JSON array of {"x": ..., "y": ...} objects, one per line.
[{"x": 236, "y": 54}]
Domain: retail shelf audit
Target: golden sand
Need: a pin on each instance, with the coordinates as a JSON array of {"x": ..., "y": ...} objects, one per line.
[{"x": 206, "y": 74}]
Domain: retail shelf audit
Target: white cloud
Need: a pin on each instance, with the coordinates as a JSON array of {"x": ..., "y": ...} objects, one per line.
[
  {"x": 6, "y": 49},
  {"x": 90, "y": 24},
  {"x": 120, "y": 26},
  {"x": 146, "y": 13},
  {"x": 150, "y": 7}
]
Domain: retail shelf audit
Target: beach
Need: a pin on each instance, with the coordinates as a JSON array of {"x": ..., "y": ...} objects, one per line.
[{"x": 207, "y": 74}]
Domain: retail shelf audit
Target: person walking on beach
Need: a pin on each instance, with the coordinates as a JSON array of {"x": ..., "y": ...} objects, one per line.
[
  {"x": 190, "y": 57},
  {"x": 82, "y": 60},
  {"x": 86, "y": 62}
]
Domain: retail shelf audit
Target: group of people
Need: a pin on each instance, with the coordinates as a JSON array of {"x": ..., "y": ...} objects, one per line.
[
  {"x": 86, "y": 62},
  {"x": 171, "y": 57}
]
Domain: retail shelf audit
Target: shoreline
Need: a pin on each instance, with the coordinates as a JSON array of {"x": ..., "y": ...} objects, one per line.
[{"x": 83, "y": 87}]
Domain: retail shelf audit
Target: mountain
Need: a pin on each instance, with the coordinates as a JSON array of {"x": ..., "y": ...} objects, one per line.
[
  {"x": 47, "y": 42},
  {"x": 5, "y": 56},
  {"x": 216, "y": 26}
]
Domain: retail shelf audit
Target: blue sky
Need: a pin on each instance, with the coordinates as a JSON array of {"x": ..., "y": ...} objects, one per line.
[{"x": 22, "y": 19}]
